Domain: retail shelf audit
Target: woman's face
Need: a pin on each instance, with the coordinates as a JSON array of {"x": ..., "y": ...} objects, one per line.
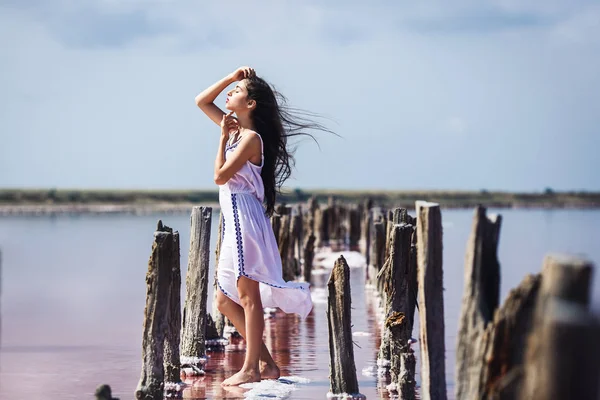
[{"x": 237, "y": 98}]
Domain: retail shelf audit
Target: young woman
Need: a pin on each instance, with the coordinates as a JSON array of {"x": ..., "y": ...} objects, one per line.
[{"x": 252, "y": 162}]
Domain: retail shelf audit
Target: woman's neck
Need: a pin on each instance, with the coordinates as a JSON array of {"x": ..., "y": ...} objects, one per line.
[{"x": 245, "y": 121}]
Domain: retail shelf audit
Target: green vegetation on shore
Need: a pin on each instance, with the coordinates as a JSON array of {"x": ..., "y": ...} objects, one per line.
[{"x": 406, "y": 198}]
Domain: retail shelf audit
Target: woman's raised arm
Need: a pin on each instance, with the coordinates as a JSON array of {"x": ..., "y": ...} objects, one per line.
[{"x": 205, "y": 100}]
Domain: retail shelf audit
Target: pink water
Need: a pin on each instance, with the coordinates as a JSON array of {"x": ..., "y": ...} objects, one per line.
[{"x": 73, "y": 292}]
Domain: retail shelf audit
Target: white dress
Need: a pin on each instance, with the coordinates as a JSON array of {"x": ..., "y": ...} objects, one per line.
[{"x": 248, "y": 245}]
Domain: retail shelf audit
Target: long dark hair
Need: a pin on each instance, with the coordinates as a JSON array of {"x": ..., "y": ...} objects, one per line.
[{"x": 276, "y": 123}]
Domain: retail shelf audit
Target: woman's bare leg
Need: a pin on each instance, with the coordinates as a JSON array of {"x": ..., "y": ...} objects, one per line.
[
  {"x": 235, "y": 313},
  {"x": 249, "y": 293}
]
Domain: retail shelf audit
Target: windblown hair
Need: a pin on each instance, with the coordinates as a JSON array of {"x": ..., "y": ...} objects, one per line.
[{"x": 276, "y": 123}]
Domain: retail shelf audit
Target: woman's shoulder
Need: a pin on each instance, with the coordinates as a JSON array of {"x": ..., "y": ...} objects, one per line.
[{"x": 251, "y": 136}]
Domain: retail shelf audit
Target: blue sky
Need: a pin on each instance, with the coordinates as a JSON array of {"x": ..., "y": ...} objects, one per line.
[{"x": 501, "y": 95}]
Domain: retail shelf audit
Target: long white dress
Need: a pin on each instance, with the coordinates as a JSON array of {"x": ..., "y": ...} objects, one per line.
[{"x": 248, "y": 245}]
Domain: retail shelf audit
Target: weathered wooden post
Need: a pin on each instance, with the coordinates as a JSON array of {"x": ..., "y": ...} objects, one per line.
[
  {"x": 367, "y": 223},
  {"x": 481, "y": 296},
  {"x": 503, "y": 344},
  {"x": 172, "y": 363},
  {"x": 218, "y": 319},
  {"x": 377, "y": 246},
  {"x": 398, "y": 326},
  {"x": 193, "y": 350},
  {"x": 298, "y": 235},
  {"x": 342, "y": 370},
  {"x": 431, "y": 301},
  {"x": 284, "y": 243},
  {"x": 354, "y": 234},
  {"x": 322, "y": 226},
  {"x": 365, "y": 226},
  {"x": 309, "y": 255},
  {"x": 156, "y": 314},
  {"x": 104, "y": 392},
  {"x": 562, "y": 356}
]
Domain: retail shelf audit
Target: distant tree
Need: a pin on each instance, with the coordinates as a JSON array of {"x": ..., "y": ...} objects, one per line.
[
  {"x": 52, "y": 195},
  {"x": 299, "y": 194},
  {"x": 548, "y": 191}
]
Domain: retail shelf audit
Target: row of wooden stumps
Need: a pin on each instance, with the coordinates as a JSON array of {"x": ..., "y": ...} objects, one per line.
[
  {"x": 393, "y": 252},
  {"x": 404, "y": 266},
  {"x": 163, "y": 355},
  {"x": 542, "y": 343}
]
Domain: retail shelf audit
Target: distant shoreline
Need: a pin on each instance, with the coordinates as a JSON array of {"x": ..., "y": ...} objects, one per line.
[{"x": 32, "y": 202}]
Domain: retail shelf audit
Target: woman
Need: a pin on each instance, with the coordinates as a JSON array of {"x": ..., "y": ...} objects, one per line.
[{"x": 252, "y": 162}]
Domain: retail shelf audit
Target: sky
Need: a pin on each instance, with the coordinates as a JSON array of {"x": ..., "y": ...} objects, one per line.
[{"x": 461, "y": 95}]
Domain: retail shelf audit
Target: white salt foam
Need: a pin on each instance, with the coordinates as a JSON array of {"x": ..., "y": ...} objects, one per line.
[
  {"x": 273, "y": 389},
  {"x": 327, "y": 258},
  {"x": 318, "y": 295}
]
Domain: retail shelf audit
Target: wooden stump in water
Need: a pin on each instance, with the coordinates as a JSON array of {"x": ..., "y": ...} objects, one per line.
[
  {"x": 398, "y": 326},
  {"x": 156, "y": 314},
  {"x": 481, "y": 296},
  {"x": 502, "y": 345},
  {"x": 309, "y": 255},
  {"x": 367, "y": 233},
  {"x": 431, "y": 301},
  {"x": 218, "y": 318},
  {"x": 563, "y": 355},
  {"x": 376, "y": 247},
  {"x": 104, "y": 392},
  {"x": 297, "y": 232},
  {"x": 342, "y": 369},
  {"x": 322, "y": 217},
  {"x": 354, "y": 234},
  {"x": 284, "y": 248},
  {"x": 172, "y": 363},
  {"x": 193, "y": 350}
]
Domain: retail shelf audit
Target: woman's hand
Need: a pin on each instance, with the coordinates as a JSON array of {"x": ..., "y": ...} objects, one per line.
[
  {"x": 228, "y": 124},
  {"x": 242, "y": 73}
]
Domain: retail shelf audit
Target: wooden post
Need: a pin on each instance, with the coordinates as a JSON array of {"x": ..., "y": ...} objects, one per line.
[
  {"x": 354, "y": 233},
  {"x": 342, "y": 370},
  {"x": 219, "y": 319},
  {"x": 377, "y": 247},
  {"x": 313, "y": 206},
  {"x": 481, "y": 295},
  {"x": 104, "y": 392},
  {"x": 193, "y": 350},
  {"x": 562, "y": 356},
  {"x": 322, "y": 226},
  {"x": 367, "y": 223},
  {"x": 309, "y": 255},
  {"x": 431, "y": 301},
  {"x": 156, "y": 314},
  {"x": 365, "y": 226},
  {"x": 295, "y": 242},
  {"x": 398, "y": 327},
  {"x": 503, "y": 343},
  {"x": 172, "y": 363},
  {"x": 284, "y": 248},
  {"x": 299, "y": 235},
  {"x": 412, "y": 276}
]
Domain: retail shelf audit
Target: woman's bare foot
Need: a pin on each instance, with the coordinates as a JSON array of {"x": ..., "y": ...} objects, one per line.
[
  {"x": 269, "y": 371},
  {"x": 242, "y": 377}
]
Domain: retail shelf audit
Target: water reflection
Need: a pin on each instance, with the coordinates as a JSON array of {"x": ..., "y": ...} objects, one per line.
[{"x": 73, "y": 295}]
